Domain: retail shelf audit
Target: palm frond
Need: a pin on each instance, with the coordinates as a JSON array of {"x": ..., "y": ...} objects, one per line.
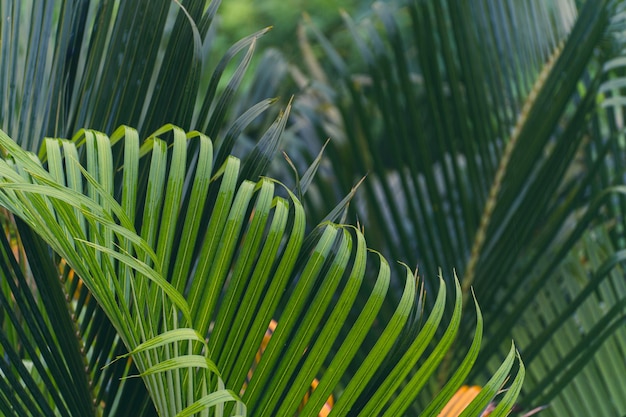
[
  {"x": 165, "y": 289},
  {"x": 67, "y": 65},
  {"x": 103, "y": 64}
]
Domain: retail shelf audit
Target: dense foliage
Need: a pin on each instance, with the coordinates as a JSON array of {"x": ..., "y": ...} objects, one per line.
[{"x": 490, "y": 135}]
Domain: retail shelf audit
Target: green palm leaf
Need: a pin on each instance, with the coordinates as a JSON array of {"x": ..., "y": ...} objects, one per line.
[
  {"x": 229, "y": 286},
  {"x": 66, "y": 65}
]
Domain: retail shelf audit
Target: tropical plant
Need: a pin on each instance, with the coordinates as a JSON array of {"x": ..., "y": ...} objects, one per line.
[
  {"x": 102, "y": 64},
  {"x": 491, "y": 135},
  {"x": 167, "y": 259},
  {"x": 168, "y": 287}
]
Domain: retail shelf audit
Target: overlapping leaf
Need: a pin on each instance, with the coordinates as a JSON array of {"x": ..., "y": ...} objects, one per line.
[{"x": 166, "y": 288}]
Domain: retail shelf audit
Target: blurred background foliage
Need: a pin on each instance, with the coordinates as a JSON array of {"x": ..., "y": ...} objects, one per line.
[{"x": 239, "y": 16}]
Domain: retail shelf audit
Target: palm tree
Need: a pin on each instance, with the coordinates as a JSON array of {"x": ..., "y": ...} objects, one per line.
[
  {"x": 491, "y": 135},
  {"x": 167, "y": 259}
]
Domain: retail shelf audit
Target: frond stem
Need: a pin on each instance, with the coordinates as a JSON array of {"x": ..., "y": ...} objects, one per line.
[{"x": 490, "y": 205}]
